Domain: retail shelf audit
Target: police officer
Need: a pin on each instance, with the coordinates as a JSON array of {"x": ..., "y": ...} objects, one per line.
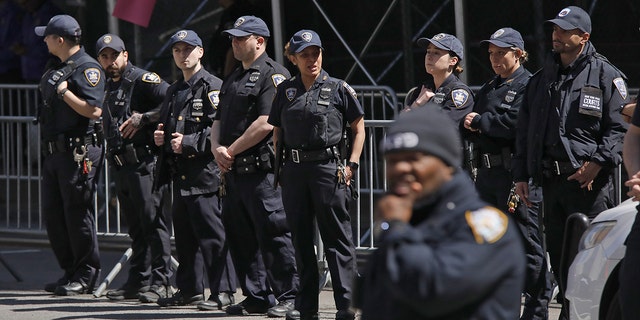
[
  {"x": 629, "y": 277},
  {"x": 309, "y": 115},
  {"x": 443, "y": 253},
  {"x": 183, "y": 135},
  {"x": 491, "y": 127},
  {"x": 72, "y": 91},
  {"x": 570, "y": 131},
  {"x": 133, "y": 100},
  {"x": 254, "y": 217}
]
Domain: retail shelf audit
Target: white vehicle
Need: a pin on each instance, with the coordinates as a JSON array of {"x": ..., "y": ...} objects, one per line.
[{"x": 592, "y": 282}]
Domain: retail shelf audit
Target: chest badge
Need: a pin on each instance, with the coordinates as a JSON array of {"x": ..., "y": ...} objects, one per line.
[
  {"x": 511, "y": 95},
  {"x": 291, "y": 93}
]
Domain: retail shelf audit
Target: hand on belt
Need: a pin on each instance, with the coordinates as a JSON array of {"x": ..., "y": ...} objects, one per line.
[{"x": 556, "y": 168}]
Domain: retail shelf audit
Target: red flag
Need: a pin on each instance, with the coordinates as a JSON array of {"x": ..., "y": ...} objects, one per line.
[{"x": 135, "y": 11}]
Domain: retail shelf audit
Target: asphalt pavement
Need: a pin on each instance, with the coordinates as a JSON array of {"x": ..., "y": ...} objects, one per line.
[{"x": 26, "y": 299}]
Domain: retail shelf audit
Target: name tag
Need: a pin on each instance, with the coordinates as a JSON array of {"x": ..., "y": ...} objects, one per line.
[{"x": 591, "y": 102}]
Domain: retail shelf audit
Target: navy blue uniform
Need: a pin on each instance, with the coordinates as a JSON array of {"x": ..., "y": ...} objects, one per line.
[
  {"x": 254, "y": 217},
  {"x": 460, "y": 260},
  {"x": 189, "y": 108},
  {"x": 68, "y": 185},
  {"x": 629, "y": 276},
  {"x": 310, "y": 186},
  {"x": 133, "y": 163},
  {"x": 497, "y": 104},
  {"x": 557, "y": 133}
]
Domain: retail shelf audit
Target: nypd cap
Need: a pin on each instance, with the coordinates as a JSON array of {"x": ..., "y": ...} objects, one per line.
[
  {"x": 427, "y": 130},
  {"x": 110, "y": 41},
  {"x": 506, "y": 38},
  {"x": 248, "y": 25},
  {"x": 572, "y": 17},
  {"x": 303, "y": 39},
  {"x": 444, "y": 41},
  {"x": 186, "y": 36},
  {"x": 61, "y": 25}
]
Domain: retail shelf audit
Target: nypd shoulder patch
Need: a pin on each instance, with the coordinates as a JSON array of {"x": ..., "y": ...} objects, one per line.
[
  {"x": 92, "y": 75},
  {"x": 350, "y": 90},
  {"x": 151, "y": 77},
  {"x": 487, "y": 224},
  {"x": 277, "y": 78},
  {"x": 460, "y": 97},
  {"x": 621, "y": 86},
  {"x": 214, "y": 98}
]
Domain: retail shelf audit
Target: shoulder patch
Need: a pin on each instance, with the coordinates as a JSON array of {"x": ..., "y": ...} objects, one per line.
[
  {"x": 460, "y": 97},
  {"x": 214, "y": 98},
  {"x": 92, "y": 75},
  {"x": 487, "y": 224},
  {"x": 277, "y": 78},
  {"x": 350, "y": 90},
  {"x": 151, "y": 77},
  {"x": 291, "y": 93},
  {"x": 621, "y": 86}
]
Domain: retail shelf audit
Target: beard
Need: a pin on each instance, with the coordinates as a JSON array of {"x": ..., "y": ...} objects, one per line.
[{"x": 114, "y": 72}]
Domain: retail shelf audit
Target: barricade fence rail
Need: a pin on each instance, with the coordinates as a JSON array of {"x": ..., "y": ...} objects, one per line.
[{"x": 21, "y": 217}]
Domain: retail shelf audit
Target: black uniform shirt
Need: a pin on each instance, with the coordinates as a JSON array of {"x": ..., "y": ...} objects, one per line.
[
  {"x": 87, "y": 82},
  {"x": 245, "y": 95},
  {"x": 454, "y": 97},
  {"x": 497, "y": 104}
]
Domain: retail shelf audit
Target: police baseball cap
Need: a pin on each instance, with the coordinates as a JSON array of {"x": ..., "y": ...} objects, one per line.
[
  {"x": 110, "y": 41},
  {"x": 303, "y": 39},
  {"x": 62, "y": 25},
  {"x": 506, "y": 38},
  {"x": 572, "y": 17},
  {"x": 248, "y": 25},
  {"x": 186, "y": 36},
  {"x": 426, "y": 130},
  {"x": 445, "y": 42}
]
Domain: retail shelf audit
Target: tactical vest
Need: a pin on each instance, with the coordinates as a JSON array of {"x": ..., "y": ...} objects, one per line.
[
  {"x": 313, "y": 124},
  {"x": 117, "y": 104}
]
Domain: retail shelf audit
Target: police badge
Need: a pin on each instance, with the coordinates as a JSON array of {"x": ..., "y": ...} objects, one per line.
[
  {"x": 291, "y": 93},
  {"x": 92, "y": 75},
  {"x": 511, "y": 95},
  {"x": 459, "y": 97}
]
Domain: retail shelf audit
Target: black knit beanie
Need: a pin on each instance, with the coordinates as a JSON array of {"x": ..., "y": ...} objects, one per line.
[{"x": 427, "y": 130}]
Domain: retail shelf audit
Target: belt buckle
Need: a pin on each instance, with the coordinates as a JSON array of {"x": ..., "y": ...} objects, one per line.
[
  {"x": 556, "y": 166},
  {"x": 295, "y": 156},
  {"x": 486, "y": 160}
]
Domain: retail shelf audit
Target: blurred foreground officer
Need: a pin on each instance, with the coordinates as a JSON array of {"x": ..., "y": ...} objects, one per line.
[
  {"x": 254, "y": 217},
  {"x": 491, "y": 126},
  {"x": 131, "y": 111},
  {"x": 629, "y": 275},
  {"x": 443, "y": 253},
  {"x": 310, "y": 114},
  {"x": 72, "y": 91},
  {"x": 570, "y": 131},
  {"x": 183, "y": 135}
]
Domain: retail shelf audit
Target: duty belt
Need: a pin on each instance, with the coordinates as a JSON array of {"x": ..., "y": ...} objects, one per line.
[
  {"x": 131, "y": 155},
  {"x": 489, "y": 161},
  {"x": 299, "y": 155},
  {"x": 556, "y": 168},
  {"x": 63, "y": 143}
]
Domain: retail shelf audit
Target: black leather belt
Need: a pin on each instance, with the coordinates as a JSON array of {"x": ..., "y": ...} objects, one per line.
[
  {"x": 491, "y": 160},
  {"x": 131, "y": 155},
  {"x": 299, "y": 155},
  {"x": 556, "y": 168},
  {"x": 62, "y": 143}
]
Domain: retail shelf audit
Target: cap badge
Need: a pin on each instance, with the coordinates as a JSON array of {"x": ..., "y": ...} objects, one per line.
[
  {"x": 564, "y": 12},
  {"x": 401, "y": 140},
  {"x": 438, "y": 36},
  {"x": 181, "y": 34},
  {"x": 497, "y": 33},
  {"x": 238, "y": 22},
  {"x": 106, "y": 39},
  {"x": 306, "y": 36}
]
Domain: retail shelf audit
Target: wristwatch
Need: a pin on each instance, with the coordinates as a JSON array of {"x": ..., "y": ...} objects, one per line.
[
  {"x": 62, "y": 92},
  {"x": 353, "y": 165}
]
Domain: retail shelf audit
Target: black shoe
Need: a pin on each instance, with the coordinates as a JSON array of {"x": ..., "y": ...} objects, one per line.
[
  {"x": 154, "y": 293},
  {"x": 179, "y": 299},
  {"x": 72, "y": 288},
  {"x": 345, "y": 315},
  {"x": 247, "y": 307},
  {"x": 127, "y": 292},
  {"x": 281, "y": 309},
  {"x": 217, "y": 303},
  {"x": 295, "y": 315},
  {"x": 51, "y": 287}
]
